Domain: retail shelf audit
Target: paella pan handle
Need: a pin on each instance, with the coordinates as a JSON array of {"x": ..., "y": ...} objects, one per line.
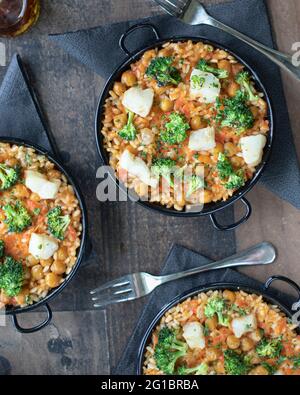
[
  {"x": 37, "y": 327},
  {"x": 236, "y": 224},
  {"x": 132, "y": 29},
  {"x": 296, "y": 306}
]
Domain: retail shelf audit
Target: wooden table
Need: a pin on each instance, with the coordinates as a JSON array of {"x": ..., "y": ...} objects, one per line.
[{"x": 82, "y": 340}]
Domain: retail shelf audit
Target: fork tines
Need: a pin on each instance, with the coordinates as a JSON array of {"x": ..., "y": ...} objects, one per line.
[{"x": 173, "y": 7}]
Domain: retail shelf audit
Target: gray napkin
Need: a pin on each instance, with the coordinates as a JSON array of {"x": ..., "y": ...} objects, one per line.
[
  {"x": 98, "y": 49},
  {"x": 20, "y": 113},
  {"x": 181, "y": 258}
]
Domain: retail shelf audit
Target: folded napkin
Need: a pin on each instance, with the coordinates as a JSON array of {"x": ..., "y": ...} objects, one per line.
[
  {"x": 92, "y": 46},
  {"x": 20, "y": 113},
  {"x": 181, "y": 258},
  {"x": 22, "y": 117}
]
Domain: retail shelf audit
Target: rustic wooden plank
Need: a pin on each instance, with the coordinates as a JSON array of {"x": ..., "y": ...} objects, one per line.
[
  {"x": 74, "y": 343},
  {"x": 125, "y": 236}
]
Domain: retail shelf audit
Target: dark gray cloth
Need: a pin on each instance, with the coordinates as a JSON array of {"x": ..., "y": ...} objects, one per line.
[
  {"x": 181, "y": 258},
  {"x": 20, "y": 113},
  {"x": 98, "y": 49}
]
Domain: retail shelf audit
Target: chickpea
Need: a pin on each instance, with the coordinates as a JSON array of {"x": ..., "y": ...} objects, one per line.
[
  {"x": 237, "y": 161},
  {"x": 197, "y": 123},
  {"x": 12, "y": 162},
  {"x": 166, "y": 105},
  {"x": 21, "y": 192},
  {"x": 62, "y": 253},
  {"x": 37, "y": 272},
  {"x": 52, "y": 280},
  {"x": 128, "y": 78},
  {"x": 46, "y": 262},
  {"x": 233, "y": 342},
  {"x": 230, "y": 149},
  {"x": 220, "y": 369},
  {"x": 35, "y": 197},
  {"x": 119, "y": 88},
  {"x": 256, "y": 335},
  {"x": 32, "y": 261},
  {"x": 229, "y": 295},
  {"x": 211, "y": 323},
  {"x": 247, "y": 344},
  {"x": 225, "y": 65},
  {"x": 53, "y": 174},
  {"x": 212, "y": 354},
  {"x": 232, "y": 88},
  {"x": 58, "y": 267},
  {"x": 207, "y": 196},
  {"x": 259, "y": 371},
  {"x": 120, "y": 120},
  {"x": 206, "y": 159},
  {"x": 218, "y": 148}
]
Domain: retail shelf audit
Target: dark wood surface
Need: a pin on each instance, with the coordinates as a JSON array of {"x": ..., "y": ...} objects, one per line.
[{"x": 125, "y": 237}]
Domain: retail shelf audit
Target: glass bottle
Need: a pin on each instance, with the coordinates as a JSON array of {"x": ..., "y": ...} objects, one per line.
[{"x": 17, "y": 16}]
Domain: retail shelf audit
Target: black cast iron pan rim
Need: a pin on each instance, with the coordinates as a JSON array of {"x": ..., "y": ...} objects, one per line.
[
  {"x": 209, "y": 209},
  {"x": 43, "y": 302},
  {"x": 212, "y": 287}
]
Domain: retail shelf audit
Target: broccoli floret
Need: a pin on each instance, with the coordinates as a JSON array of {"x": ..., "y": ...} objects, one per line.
[
  {"x": 269, "y": 348},
  {"x": 244, "y": 79},
  {"x": 57, "y": 223},
  {"x": 168, "y": 350},
  {"x": 194, "y": 183},
  {"x": 235, "y": 113},
  {"x": 204, "y": 66},
  {"x": 234, "y": 363},
  {"x": 8, "y": 176},
  {"x": 224, "y": 166},
  {"x": 296, "y": 361},
  {"x": 175, "y": 129},
  {"x": 236, "y": 180},
  {"x": 2, "y": 247},
  {"x": 17, "y": 217},
  {"x": 164, "y": 167},
  {"x": 217, "y": 306},
  {"x": 200, "y": 370},
  {"x": 163, "y": 72},
  {"x": 11, "y": 276},
  {"x": 128, "y": 132}
]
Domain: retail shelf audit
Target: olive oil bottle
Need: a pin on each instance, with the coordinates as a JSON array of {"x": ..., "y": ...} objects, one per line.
[{"x": 17, "y": 16}]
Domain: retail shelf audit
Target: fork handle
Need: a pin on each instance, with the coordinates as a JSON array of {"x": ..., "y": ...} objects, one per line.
[
  {"x": 282, "y": 60},
  {"x": 260, "y": 254}
]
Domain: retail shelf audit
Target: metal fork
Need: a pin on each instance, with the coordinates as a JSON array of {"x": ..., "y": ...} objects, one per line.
[
  {"x": 136, "y": 285},
  {"x": 192, "y": 12}
]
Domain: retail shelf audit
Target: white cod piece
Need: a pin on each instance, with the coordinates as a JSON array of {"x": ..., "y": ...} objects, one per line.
[
  {"x": 193, "y": 335},
  {"x": 42, "y": 246},
  {"x": 202, "y": 139},
  {"x": 252, "y": 148},
  {"x": 137, "y": 167},
  {"x": 38, "y": 183},
  {"x": 138, "y": 100},
  {"x": 242, "y": 325},
  {"x": 204, "y": 85}
]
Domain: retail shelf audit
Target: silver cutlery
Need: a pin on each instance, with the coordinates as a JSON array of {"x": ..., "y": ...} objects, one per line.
[
  {"x": 192, "y": 12},
  {"x": 137, "y": 285}
]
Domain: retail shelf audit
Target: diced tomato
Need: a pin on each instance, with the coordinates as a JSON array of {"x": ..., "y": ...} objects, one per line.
[
  {"x": 32, "y": 205},
  {"x": 71, "y": 233}
]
